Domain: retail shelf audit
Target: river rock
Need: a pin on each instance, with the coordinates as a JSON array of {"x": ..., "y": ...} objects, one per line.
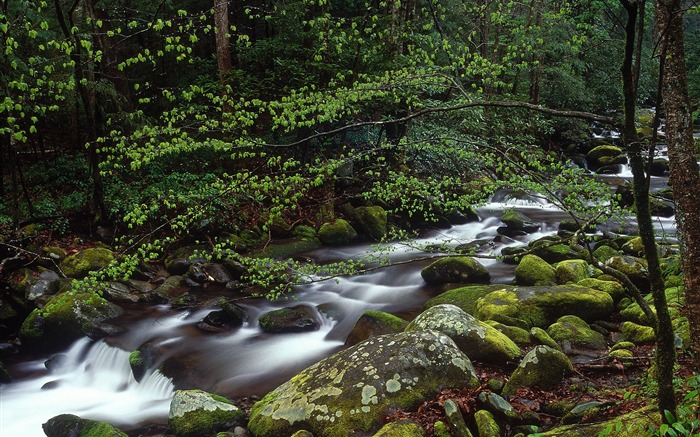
[
  {"x": 335, "y": 233},
  {"x": 202, "y": 272},
  {"x": 89, "y": 260},
  {"x": 577, "y": 332},
  {"x": 542, "y": 367},
  {"x": 552, "y": 252},
  {"x": 486, "y": 424},
  {"x": 517, "y": 221},
  {"x": 636, "y": 423},
  {"x": 459, "y": 269},
  {"x": 613, "y": 288},
  {"x": 572, "y": 270},
  {"x": 179, "y": 261},
  {"x": 69, "y": 425},
  {"x": 298, "y": 318},
  {"x": 541, "y": 306},
  {"x": 67, "y": 317},
  {"x": 195, "y": 413},
  {"x": 465, "y": 297},
  {"x": 455, "y": 420},
  {"x": 533, "y": 270},
  {"x": 476, "y": 339},
  {"x": 371, "y": 221},
  {"x": 635, "y": 269},
  {"x": 352, "y": 391},
  {"x": 604, "y": 155},
  {"x": 373, "y": 323}
]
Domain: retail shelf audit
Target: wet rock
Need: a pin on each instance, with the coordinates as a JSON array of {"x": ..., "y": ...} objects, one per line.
[
  {"x": 298, "y": 318},
  {"x": 533, "y": 270},
  {"x": 517, "y": 221},
  {"x": 171, "y": 287},
  {"x": 120, "y": 293},
  {"x": 179, "y": 261},
  {"x": 211, "y": 272},
  {"x": 5, "y": 376},
  {"x": 604, "y": 155},
  {"x": 512, "y": 255},
  {"x": 70, "y": 425},
  {"x": 371, "y": 221},
  {"x": 351, "y": 391},
  {"x": 577, "y": 332},
  {"x": 195, "y": 413},
  {"x": 456, "y": 269},
  {"x": 67, "y": 317},
  {"x": 338, "y": 232},
  {"x": 552, "y": 252},
  {"x": 542, "y": 367},
  {"x": 476, "y": 339},
  {"x": 89, "y": 260},
  {"x": 373, "y": 323}
]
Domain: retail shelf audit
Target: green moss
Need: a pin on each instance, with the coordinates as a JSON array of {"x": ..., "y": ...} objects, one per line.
[
  {"x": 465, "y": 297},
  {"x": 573, "y": 270},
  {"x": 604, "y": 253},
  {"x": 337, "y": 233},
  {"x": 542, "y": 367},
  {"x": 82, "y": 263},
  {"x": 460, "y": 269},
  {"x": 634, "y": 247},
  {"x": 576, "y": 331},
  {"x": 517, "y": 334},
  {"x": 613, "y": 288},
  {"x": 303, "y": 232},
  {"x": 533, "y": 270},
  {"x": 541, "y": 337},
  {"x": 552, "y": 253},
  {"x": 136, "y": 359},
  {"x": 196, "y": 413},
  {"x": 638, "y": 334},
  {"x": 71, "y": 425},
  {"x": 502, "y": 304},
  {"x": 403, "y": 428},
  {"x": 397, "y": 324},
  {"x": 288, "y": 249},
  {"x": 371, "y": 220},
  {"x": 486, "y": 424},
  {"x": 600, "y": 151},
  {"x": 636, "y": 423},
  {"x": 621, "y": 354}
]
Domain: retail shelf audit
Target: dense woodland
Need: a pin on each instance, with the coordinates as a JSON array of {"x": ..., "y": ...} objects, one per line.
[{"x": 146, "y": 126}]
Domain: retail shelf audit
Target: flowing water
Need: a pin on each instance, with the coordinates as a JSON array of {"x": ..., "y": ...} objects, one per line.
[{"x": 93, "y": 379}]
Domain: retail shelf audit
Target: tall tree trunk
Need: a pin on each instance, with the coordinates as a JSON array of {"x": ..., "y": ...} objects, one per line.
[
  {"x": 685, "y": 174},
  {"x": 665, "y": 344},
  {"x": 223, "y": 51}
]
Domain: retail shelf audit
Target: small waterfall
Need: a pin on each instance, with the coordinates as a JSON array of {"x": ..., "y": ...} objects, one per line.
[{"x": 91, "y": 380}]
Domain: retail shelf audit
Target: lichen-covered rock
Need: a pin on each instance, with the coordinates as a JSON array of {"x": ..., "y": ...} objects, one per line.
[
  {"x": 540, "y": 306},
  {"x": 635, "y": 268},
  {"x": 518, "y": 221},
  {"x": 540, "y": 336},
  {"x": 476, "y": 339},
  {"x": 497, "y": 405},
  {"x": 195, "y": 413},
  {"x": 353, "y": 390},
  {"x": 373, "y": 323},
  {"x": 577, "y": 332},
  {"x": 460, "y": 269},
  {"x": 634, "y": 247},
  {"x": 542, "y": 367},
  {"x": 519, "y": 335},
  {"x": 65, "y": 425},
  {"x": 298, "y": 318},
  {"x": 402, "y": 428},
  {"x": 82, "y": 263},
  {"x": 337, "y": 233},
  {"x": 67, "y": 317},
  {"x": 533, "y": 270},
  {"x": 371, "y": 220},
  {"x": 572, "y": 270},
  {"x": 638, "y": 334},
  {"x": 455, "y": 420}
]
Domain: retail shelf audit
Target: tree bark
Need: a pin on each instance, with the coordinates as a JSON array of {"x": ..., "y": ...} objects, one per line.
[
  {"x": 685, "y": 174},
  {"x": 223, "y": 52}
]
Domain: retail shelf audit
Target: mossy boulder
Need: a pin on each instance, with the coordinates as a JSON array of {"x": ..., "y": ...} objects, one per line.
[
  {"x": 486, "y": 424},
  {"x": 65, "y": 425},
  {"x": 542, "y": 367},
  {"x": 371, "y": 221},
  {"x": 604, "y": 252},
  {"x": 80, "y": 264},
  {"x": 533, "y": 270},
  {"x": 455, "y": 419},
  {"x": 638, "y": 334},
  {"x": 195, "y": 413},
  {"x": 634, "y": 247},
  {"x": 576, "y": 331},
  {"x": 518, "y": 221},
  {"x": 613, "y": 288},
  {"x": 68, "y": 317},
  {"x": 604, "y": 155},
  {"x": 635, "y": 269},
  {"x": 479, "y": 341},
  {"x": 402, "y": 428},
  {"x": 459, "y": 269},
  {"x": 299, "y": 318},
  {"x": 373, "y": 323},
  {"x": 288, "y": 248},
  {"x": 465, "y": 297},
  {"x": 540, "y": 336},
  {"x": 352, "y": 391},
  {"x": 552, "y": 252},
  {"x": 541, "y": 306},
  {"x": 519, "y": 335},
  {"x": 572, "y": 270},
  {"x": 337, "y": 233}
]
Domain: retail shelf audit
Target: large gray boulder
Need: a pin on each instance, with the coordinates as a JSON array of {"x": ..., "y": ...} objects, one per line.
[
  {"x": 479, "y": 341},
  {"x": 350, "y": 392},
  {"x": 195, "y": 413}
]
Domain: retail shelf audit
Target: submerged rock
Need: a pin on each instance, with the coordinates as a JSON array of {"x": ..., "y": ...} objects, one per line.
[
  {"x": 351, "y": 391},
  {"x": 195, "y": 413}
]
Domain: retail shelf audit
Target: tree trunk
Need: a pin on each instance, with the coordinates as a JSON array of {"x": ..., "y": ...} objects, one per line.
[
  {"x": 665, "y": 341},
  {"x": 685, "y": 175},
  {"x": 223, "y": 52}
]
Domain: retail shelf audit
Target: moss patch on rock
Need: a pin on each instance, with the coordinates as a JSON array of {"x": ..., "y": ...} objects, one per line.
[
  {"x": 373, "y": 323},
  {"x": 533, "y": 270},
  {"x": 542, "y": 367},
  {"x": 80, "y": 264},
  {"x": 572, "y": 270},
  {"x": 337, "y": 232},
  {"x": 371, "y": 220},
  {"x": 459, "y": 269},
  {"x": 465, "y": 297},
  {"x": 70, "y": 425},
  {"x": 195, "y": 413},
  {"x": 577, "y": 332}
]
